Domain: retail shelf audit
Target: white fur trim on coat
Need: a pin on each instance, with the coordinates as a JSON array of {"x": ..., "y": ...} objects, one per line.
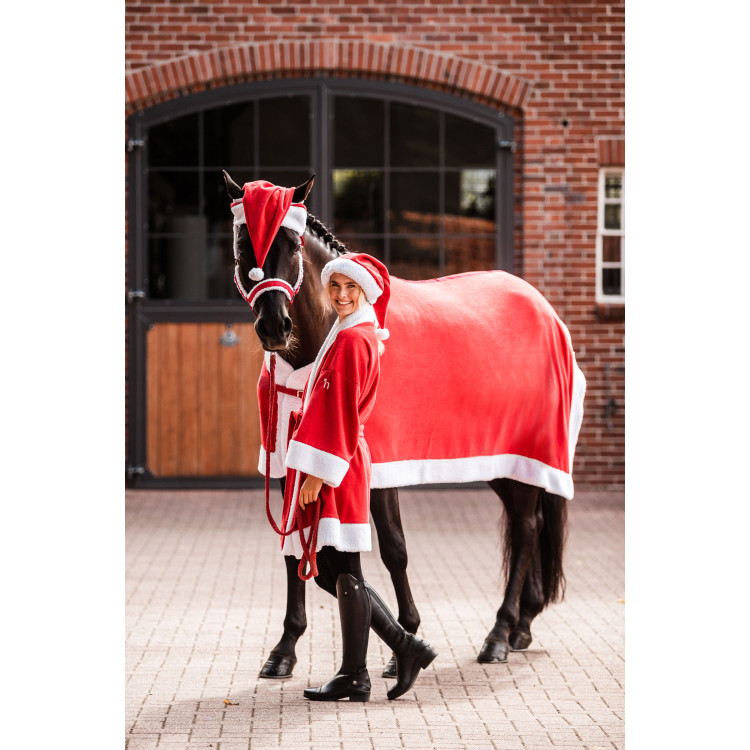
[
  {"x": 331, "y": 469},
  {"x": 345, "y": 537},
  {"x": 354, "y": 271}
]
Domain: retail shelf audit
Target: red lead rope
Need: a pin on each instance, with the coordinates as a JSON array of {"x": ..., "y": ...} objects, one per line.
[{"x": 309, "y": 553}]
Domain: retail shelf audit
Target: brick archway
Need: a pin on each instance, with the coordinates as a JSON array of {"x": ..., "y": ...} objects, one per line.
[{"x": 286, "y": 59}]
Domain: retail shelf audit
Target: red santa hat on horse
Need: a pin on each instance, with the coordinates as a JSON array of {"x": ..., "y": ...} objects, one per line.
[
  {"x": 371, "y": 275},
  {"x": 265, "y": 208}
]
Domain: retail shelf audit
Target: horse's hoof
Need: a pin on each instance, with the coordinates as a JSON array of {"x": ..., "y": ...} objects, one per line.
[
  {"x": 390, "y": 669},
  {"x": 278, "y": 666},
  {"x": 519, "y": 641},
  {"x": 493, "y": 652}
]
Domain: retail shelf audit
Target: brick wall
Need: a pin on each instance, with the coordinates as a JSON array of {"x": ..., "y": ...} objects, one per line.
[{"x": 559, "y": 66}]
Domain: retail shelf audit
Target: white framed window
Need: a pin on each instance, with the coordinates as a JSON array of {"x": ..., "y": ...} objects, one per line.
[{"x": 610, "y": 236}]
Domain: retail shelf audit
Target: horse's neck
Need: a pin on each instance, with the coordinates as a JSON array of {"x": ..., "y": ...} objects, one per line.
[{"x": 311, "y": 317}]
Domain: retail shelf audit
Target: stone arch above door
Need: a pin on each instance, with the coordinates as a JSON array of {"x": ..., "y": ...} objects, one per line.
[{"x": 216, "y": 68}]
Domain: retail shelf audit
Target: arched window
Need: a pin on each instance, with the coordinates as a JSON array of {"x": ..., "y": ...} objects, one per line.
[
  {"x": 419, "y": 179},
  {"x": 422, "y": 180}
]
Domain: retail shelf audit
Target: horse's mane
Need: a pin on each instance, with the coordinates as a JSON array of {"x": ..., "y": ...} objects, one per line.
[{"x": 325, "y": 234}]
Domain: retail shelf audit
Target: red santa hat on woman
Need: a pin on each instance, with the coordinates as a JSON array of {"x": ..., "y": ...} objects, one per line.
[{"x": 371, "y": 275}]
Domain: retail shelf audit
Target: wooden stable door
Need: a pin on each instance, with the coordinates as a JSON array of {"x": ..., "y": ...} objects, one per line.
[{"x": 201, "y": 403}]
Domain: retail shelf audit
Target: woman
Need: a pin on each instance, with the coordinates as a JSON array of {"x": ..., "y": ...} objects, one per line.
[{"x": 328, "y": 462}]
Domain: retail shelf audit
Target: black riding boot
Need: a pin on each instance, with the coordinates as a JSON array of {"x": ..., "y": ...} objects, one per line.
[
  {"x": 412, "y": 653},
  {"x": 352, "y": 680}
]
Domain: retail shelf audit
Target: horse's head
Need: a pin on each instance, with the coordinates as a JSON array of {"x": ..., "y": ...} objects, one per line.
[{"x": 269, "y": 293}]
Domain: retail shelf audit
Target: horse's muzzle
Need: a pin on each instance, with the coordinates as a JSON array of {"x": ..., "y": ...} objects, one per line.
[{"x": 274, "y": 332}]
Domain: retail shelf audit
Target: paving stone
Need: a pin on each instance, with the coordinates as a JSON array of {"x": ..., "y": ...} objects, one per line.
[{"x": 206, "y": 592}]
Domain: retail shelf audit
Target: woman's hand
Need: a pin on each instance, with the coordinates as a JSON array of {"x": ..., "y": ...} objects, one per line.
[{"x": 309, "y": 491}]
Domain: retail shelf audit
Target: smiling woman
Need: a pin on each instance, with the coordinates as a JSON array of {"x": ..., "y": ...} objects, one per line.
[{"x": 345, "y": 295}]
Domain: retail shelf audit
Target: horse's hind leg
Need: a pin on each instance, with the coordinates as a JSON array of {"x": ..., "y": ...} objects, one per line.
[
  {"x": 282, "y": 658},
  {"x": 532, "y": 603},
  {"x": 387, "y": 518},
  {"x": 545, "y": 580},
  {"x": 521, "y": 503}
]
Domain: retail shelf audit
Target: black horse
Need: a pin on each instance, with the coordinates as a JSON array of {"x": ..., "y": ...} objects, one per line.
[{"x": 535, "y": 520}]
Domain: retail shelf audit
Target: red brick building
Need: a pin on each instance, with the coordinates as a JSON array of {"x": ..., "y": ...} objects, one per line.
[{"x": 466, "y": 135}]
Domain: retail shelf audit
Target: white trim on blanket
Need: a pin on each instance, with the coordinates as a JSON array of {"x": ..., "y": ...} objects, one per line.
[
  {"x": 473, "y": 469},
  {"x": 326, "y": 466},
  {"x": 346, "y": 537},
  {"x": 576, "y": 410}
]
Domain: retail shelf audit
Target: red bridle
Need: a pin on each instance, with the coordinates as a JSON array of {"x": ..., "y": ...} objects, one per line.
[{"x": 271, "y": 285}]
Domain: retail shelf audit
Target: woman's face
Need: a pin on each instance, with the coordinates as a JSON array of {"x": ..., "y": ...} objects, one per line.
[{"x": 344, "y": 294}]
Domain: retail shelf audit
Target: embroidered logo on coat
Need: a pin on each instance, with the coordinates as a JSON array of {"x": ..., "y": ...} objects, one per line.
[{"x": 325, "y": 383}]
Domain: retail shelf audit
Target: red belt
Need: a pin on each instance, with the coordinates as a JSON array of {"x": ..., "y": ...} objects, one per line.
[{"x": 289, "y": 391}]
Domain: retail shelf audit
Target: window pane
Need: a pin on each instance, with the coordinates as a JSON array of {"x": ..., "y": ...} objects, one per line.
[
  {"x": 358, "y": 132},
  {"x": 415, "y": 202},
  {"x": 613, "y": 186},
  {"x": 468, "y": 144},
  {"x": 357, "y": 201},
  {"x": 229, "y": 135},
  {"x": 287, "y": 177},
  {"x": 611, "y": 281},
  {"x": 284, "y": 125},
  {"x": 356, "y": 243},
  {"x": 611, "y": 249},
  {"x": 470, "y": 201},
  {"x": 415, "y": 136},
  {"x": 220, "y": 267},
  {"x": 415, "y": 258},
  {"x": 174, "y": 143},
  {"x": 463, "y": 254},
  {"x": 177, "y": 264},
  {"x": 171, "y": 194},
  {"x": 612, "y": 216},
  {"x": 216, "y": 202}
]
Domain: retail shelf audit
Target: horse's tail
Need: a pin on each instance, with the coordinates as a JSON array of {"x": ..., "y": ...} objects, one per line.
[{"x": 552, "y": 538}]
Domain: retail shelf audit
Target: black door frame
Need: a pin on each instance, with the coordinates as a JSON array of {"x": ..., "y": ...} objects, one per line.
[{"x": 142, "y": 313}]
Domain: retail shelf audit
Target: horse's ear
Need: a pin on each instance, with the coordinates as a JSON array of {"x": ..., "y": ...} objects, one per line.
[
  {"x": 233, "y": 189},
  {"x": 301, "y": 192}
]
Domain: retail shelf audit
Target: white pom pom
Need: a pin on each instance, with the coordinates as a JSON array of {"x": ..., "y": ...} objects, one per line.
[
  {"x": 382, "y": 333},
  {"x": 256, "y": 274}
]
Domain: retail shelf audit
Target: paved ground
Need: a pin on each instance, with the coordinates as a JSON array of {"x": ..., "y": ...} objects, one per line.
[{"x": 205, "y": 604}]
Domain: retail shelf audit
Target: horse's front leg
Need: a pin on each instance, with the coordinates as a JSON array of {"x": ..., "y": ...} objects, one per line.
[
  {"x": 521, "y": 503},
  {"x": 282, "y": 658},
  {"x": 387, "y": 518}
]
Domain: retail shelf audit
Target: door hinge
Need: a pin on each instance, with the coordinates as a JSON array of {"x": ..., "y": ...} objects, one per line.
[
  {"x": 507, "y": 145},
  {"x": 134, "y": 143},
  {"x": 134, "y": 294},
  {"x": 133, "y": 470}
]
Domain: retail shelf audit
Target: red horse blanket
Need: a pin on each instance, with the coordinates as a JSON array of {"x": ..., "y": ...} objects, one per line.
[{"x": 478, "y": 381}]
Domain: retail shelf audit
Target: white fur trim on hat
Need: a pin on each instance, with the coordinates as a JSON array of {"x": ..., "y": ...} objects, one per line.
[
  {"x": 355, "y": 272},
  {"x": 295, "y": 218}
]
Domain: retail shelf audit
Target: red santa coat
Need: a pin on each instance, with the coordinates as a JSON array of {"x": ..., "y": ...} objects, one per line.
[{"x": 327, "y": 439}]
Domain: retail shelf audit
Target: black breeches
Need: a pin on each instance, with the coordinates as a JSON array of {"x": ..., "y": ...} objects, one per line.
[{"x": 332, "y": 563}]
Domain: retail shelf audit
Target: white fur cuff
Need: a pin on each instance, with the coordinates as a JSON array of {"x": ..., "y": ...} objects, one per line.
[{"x": 331, "y": 469}]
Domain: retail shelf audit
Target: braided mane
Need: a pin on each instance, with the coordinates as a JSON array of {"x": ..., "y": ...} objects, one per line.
[{"x": 325, "y": 234}]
